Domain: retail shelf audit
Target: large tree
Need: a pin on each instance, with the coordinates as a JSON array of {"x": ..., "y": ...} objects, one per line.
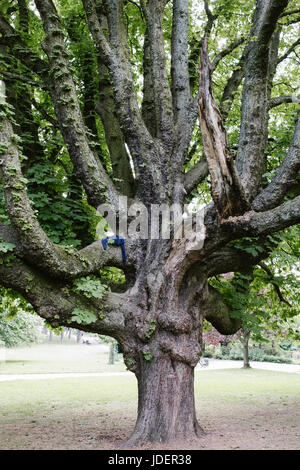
[{"x": 76, "y": 115}]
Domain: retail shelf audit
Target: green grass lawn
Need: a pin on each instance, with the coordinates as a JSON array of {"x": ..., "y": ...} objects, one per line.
[
  {"x": 59, "y": 358},
  {"x": 237, "y": 408}
]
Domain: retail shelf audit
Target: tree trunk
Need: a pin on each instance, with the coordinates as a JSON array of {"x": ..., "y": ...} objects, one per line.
[
  {"x": 79, "y": 336},
  {"x": 246, "y": 337},
  {"x": 166, "y": 404},
  {"x": 157, "y": 318},
  {"x": 111, "y": 357}
]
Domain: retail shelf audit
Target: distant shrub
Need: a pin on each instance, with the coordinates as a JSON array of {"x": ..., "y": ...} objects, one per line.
[
  {"x": 255, "y": 354},
  {"x": 208, "y": 354}
]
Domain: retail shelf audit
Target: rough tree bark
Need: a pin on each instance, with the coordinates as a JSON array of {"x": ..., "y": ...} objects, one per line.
[{"x": 157, "y": 320}]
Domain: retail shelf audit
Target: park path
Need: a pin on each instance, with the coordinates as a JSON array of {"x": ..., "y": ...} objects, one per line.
[
  {"x": 214, "y": 364},
  {"x": 67, "y": 375}
]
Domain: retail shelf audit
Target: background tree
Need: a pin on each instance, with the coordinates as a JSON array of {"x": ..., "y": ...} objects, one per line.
[
  {"x": 102, "y": 99},
  {"x": 267, "y": 300},
  {"x": 18, "y": 323}
]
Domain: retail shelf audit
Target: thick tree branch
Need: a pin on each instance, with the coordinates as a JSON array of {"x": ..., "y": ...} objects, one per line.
[
  {"x": 38, "y": 248},
  {"x": 144, "y": 150},
  {"x": 285, "y": 178},
  {"x": 67, "y": 265},
  {"x": 105, "y": 107},
  {"x": 232, "y": 86},
  {"x": 89, "y": 80},
  {"x": 184, "y": 105},
  {"x": 113, "y": 134},
  {"x": 253, "y": 135},
  {"x": 148, "y": 103},
  {"x": 278, "y": 100},
  {"x": 196, "y": 175},
  {"x": 230, "y": 259},
  {"x": 254, "y": 224},
  {"x": 225, "y": 187},
  {"x": 211, "y": 18},
  {"x": 57, "y": 303},
  {"x": 179, "y": 68},
  {"x": 19, "y": 49},
  {"x": 187, "y": 125},
  {"x": 217, "y": 312},
  {"x": 196, "y": 45},
  {"x": 273, "y": 59},
  {"x": 118, "y": 61},
  {"x": 87, "y": 165},
  {"x": 156, "y": 66}
]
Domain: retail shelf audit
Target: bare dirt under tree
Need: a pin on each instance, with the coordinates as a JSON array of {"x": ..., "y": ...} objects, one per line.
[
  {"x": 227, "y": 427},
  {"x": 264, "y": 415}
]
